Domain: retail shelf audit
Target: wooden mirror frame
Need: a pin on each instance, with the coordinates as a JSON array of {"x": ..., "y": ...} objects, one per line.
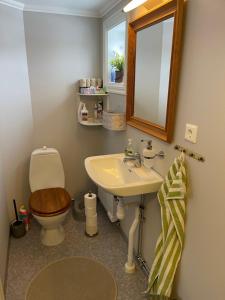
[{"x": 162, "y": 12}]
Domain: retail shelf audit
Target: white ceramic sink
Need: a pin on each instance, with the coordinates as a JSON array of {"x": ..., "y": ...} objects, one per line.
[{"x": 118, "y": 178}]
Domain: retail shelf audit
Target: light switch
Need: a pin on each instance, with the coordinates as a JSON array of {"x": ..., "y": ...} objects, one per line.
[{"x": 191, "y": 133}]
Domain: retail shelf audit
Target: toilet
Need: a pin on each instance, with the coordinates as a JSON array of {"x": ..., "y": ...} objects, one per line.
[{"x": 49, "y": 202}]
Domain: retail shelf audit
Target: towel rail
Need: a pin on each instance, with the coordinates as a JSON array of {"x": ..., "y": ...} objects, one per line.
[{"x": 190, "y": 153}]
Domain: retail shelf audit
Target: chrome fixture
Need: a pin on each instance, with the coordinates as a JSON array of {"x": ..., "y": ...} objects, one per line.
[
  {"x": 136, "y": 158},
  {"x": 139, "y": 256},
  {"x": 160, "y": 154}
]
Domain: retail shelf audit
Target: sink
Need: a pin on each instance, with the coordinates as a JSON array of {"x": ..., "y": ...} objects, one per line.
[{"x": 119, "y": 178}]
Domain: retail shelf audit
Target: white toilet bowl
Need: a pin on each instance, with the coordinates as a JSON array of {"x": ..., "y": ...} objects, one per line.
[
  {"x": 52, "y": 232},
  {"x": 49, "y": 202}
]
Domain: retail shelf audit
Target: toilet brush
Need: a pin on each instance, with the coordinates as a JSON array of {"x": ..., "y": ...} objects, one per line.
[
  {"x": 17, "y": 227},
  {"x": 15, "y": 209}
]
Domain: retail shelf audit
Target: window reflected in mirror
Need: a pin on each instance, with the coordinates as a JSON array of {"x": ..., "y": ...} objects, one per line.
[{"x": 116, "y": 53}]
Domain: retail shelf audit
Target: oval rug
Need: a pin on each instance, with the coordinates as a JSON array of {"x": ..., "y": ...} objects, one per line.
[{"x": 75, "y": 278}]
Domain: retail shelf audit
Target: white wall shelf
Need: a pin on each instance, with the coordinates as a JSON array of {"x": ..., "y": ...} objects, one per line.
[
  {"x": 90, "y": 100},
  {"x": 91, "y": 122},
  {"x": 112, "y": 121},
  {"x": 92, "y": 95}
]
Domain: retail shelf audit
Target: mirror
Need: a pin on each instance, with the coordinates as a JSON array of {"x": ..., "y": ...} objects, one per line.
[
  {"x": 152, "y": 73},
  {"x": 153, "y": 56}
]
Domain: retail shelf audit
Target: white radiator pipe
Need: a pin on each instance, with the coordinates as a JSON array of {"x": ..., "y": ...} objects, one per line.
[{"x": 130, "y": 265}]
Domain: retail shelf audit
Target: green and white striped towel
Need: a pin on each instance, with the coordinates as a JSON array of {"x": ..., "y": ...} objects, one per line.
[{"x": 172, "y": 200}]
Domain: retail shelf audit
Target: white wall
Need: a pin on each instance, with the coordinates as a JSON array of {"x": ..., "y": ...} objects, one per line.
[
  {"x": 16, "y": 126},
  {"x": 61, "y": 50},
  {"x": 15, "y": 122},
  {"x": 201, "y": 102}
]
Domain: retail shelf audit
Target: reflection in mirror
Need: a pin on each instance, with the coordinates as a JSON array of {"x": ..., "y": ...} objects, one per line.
[{"x": 152, "y": 72}]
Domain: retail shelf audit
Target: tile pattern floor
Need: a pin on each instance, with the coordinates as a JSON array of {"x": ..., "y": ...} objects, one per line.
[{"x": 27, "y": 256}]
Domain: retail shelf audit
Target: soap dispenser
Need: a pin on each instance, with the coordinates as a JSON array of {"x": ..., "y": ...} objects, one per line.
[
  {"x": 129, "y": 150},
  {"x": 148, "y": 155}
]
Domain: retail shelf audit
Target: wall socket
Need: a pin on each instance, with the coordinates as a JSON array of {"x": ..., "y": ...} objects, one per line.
[{"x": 191, "y": 133}]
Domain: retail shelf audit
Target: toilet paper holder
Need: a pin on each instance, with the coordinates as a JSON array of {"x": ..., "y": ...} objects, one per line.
[{"x": 90, "y": 204}]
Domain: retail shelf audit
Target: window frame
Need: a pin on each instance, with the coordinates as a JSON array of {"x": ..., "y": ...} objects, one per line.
[{"x": 111, "y": 22}]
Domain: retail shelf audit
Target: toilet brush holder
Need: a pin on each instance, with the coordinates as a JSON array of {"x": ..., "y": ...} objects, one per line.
[{"x": 17, "y": 227}]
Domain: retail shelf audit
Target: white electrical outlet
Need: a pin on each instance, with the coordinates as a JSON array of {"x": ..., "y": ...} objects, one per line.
[{"x": 191, "y": 133}]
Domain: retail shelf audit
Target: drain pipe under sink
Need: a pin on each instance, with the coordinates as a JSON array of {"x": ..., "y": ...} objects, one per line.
[
  {"x": 137, "y": 222},
  {"x": 130, "y": 264}
]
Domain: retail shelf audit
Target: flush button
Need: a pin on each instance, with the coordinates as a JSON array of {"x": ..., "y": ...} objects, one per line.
[{"x": 44, "y": 148}]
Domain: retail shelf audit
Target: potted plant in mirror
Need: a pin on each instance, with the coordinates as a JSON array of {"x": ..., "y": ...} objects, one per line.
[{"x": 118, "y": 64}]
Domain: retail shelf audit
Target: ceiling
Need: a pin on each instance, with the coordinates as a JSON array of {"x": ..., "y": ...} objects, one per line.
[{"x": 92, "y": 8}]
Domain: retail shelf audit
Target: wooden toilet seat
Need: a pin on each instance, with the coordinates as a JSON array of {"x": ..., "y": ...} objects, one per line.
[{"x": 49, "y": 202}]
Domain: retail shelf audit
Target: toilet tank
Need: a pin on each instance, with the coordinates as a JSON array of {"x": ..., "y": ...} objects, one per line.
[{"x": 46, "y": 169}]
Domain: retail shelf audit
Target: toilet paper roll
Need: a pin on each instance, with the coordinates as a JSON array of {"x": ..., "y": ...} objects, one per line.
[
  {"x": 88, "y": 82},
  {"x": 90, "y": 200},
  {"x": 91, "y": 230},
  {"x": 83, "y": 83},
  {"x": 93, "y": 82},
  {"x": 89, "y": 212},
  {"x": 92, "y": 220},
  {"x": 91, "y": 225}
]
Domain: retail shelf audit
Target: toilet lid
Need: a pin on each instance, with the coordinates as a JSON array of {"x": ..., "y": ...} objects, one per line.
[{"x": 48, "y": 202}]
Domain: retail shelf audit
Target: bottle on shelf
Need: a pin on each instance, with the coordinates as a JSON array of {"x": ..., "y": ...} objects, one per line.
[
  {"x": 95, "y": 111},
  {"x": 84, "y": 113},
  {"x": 100, "y": 109}
]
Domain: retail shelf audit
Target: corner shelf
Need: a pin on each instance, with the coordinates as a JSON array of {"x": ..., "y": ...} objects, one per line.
[
  {"x": 92, "y": 95},
  {"x": 91, "y": 123}
]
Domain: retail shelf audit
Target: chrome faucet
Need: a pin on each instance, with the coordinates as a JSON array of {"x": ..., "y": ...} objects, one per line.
[{"x": 136, "y": 158}]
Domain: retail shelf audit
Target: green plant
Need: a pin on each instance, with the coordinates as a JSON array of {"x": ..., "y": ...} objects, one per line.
[{"x": 117, "y": 62}]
